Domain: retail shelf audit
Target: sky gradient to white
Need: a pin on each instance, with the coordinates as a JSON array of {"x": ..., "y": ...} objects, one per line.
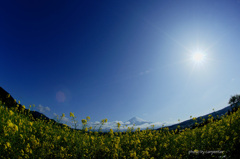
[{"x": 121, "y": 59}]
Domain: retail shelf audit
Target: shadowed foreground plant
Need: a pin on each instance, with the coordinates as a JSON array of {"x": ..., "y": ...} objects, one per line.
[
  {"x": 74, "y": 121},
  {"x": 102, "y": 123}
]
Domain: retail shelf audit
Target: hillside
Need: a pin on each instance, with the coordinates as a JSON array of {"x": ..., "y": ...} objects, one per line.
[{"x": 9, "y": 102}]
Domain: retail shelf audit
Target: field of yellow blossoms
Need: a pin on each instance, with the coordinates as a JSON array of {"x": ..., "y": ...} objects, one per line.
[{"x": 22, "y": 138}]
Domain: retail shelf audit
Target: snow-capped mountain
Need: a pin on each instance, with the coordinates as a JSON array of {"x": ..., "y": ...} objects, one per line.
[{"x": 137, "y": 121}]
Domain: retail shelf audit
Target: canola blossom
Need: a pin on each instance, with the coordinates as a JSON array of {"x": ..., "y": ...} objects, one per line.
[{"x": 23, "y": 138}]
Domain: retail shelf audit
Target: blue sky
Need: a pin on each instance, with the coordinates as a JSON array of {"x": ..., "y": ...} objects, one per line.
[{"x": 120, "y": 59}]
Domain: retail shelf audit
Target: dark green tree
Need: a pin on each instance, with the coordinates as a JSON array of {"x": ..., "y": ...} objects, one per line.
[{"x": 234, "y": 100}]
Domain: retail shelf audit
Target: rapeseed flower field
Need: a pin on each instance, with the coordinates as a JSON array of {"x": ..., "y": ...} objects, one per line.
[{"x": 23, "y": 138}]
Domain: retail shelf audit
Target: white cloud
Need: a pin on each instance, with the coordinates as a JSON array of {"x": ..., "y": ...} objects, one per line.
[
  {"x": 118, "y": 122},
  {"x": 64, "y": 120},
  {"x": 127, "y": 123},
  {"x": 47, "y": 108},
  {"x": 113, "y": 125},
  {"x": 97, "y": 122},
  {"x": 43, "y": 109}
]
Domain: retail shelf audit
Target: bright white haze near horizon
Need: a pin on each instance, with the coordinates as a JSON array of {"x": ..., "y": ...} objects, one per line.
[{"x": 159, "y": 61}]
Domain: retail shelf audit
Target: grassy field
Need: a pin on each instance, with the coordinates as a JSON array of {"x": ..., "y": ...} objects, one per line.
[{"x": 23, "y": 138}]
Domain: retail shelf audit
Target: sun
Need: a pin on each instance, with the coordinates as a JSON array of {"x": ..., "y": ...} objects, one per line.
[{"x": 198, "y": 57}]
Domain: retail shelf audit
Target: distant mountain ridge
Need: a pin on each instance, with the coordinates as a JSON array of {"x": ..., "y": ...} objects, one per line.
[{"x": 190, "y": 123}]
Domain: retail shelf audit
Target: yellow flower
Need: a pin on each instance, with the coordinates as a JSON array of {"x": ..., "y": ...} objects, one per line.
[
  {"x": 221, "y": 143},
  {"x": 71, "y": 114},
  {"x": 30, "y": 123},
  {"x": 62, "y": 149},
  {"x": 227, "y": 137},
  {"x": 145, "y": 153},
  {"x": 195, "y": 150},
  {"x": 84, "y": 121},
  {"x": 88, "y": 118},
  {"x": 111, "y": 131},
  {"x": 86, "y": 129},
  {"x": 28, "y": 145},
  {"x": 8, "y": 145},
  {"x": 63, "y": 115},
  {"x": 9, "y": 123},
  {"x": 138, "y": 141},
  {"x": 15, "y": 128},
  {"x": 165, "y": 145},
  {"x": 5, "y": 133},
  {"x": 106, "y": 149},
  {"x": 90, "y": 128},
  {"x": 105, "y": 120},
  {"x": 154, "y": 149},
  {"x": 102, "y": 121},
  {"x": 27, "y": 149},
  {"x": 11, "y": 112},
  {"x": 133, "y": 154},
  {"x": 19, "y": 102},
  {"x": 22, "y": 152},
  {"x": 118, "y": 124}
]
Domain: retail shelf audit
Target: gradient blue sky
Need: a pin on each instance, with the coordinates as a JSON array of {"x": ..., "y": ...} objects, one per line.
[{"x": 120, "y": 59}]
